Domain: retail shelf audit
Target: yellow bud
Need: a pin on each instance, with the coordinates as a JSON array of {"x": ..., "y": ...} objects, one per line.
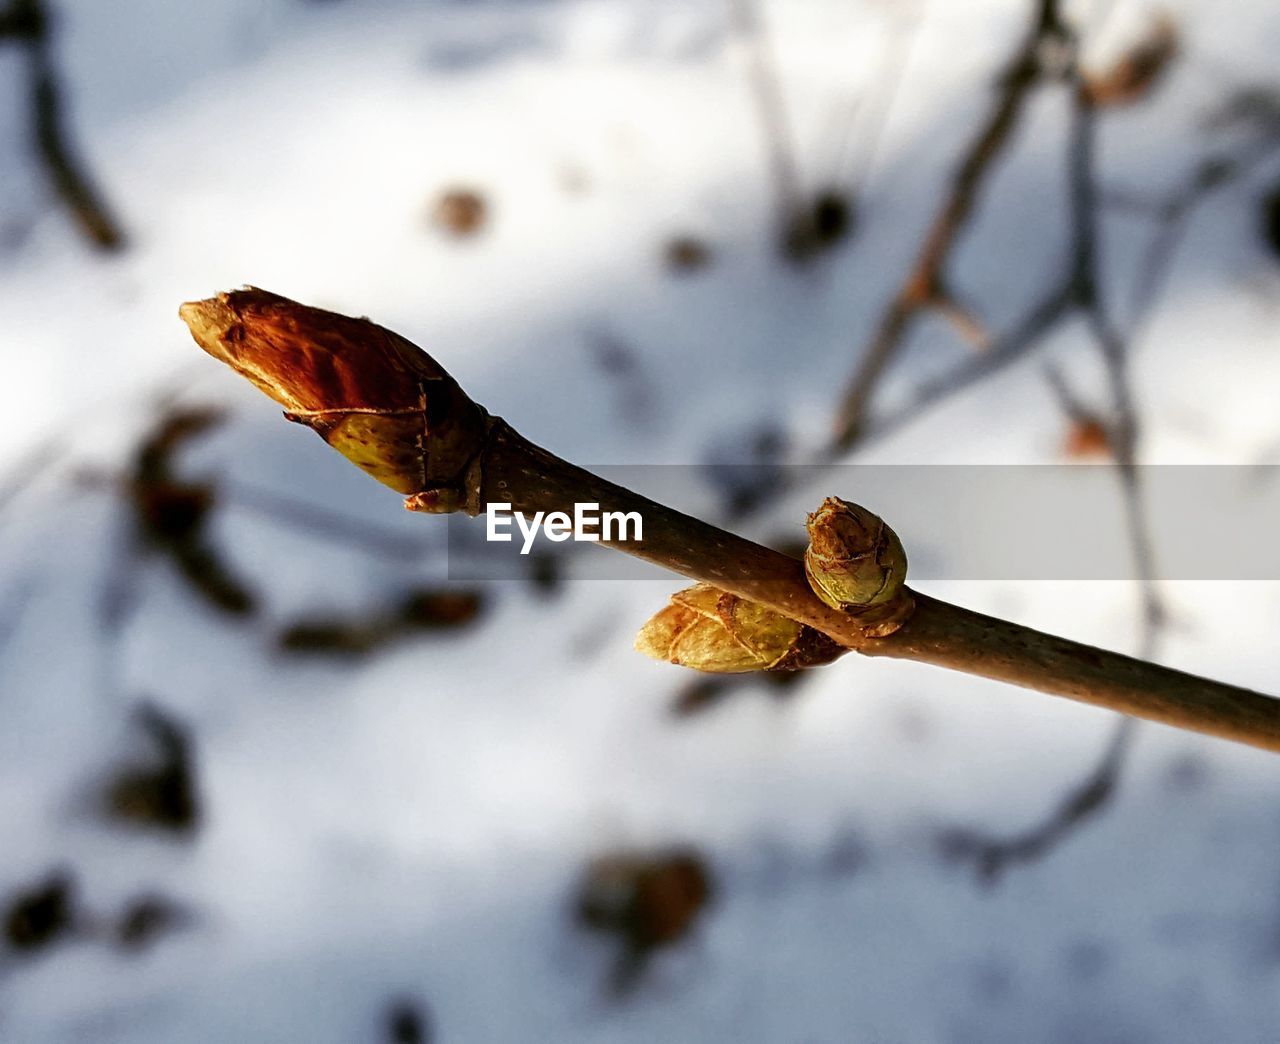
[
  {"x": 711, "y": 630},
  {"x": 856, "y": 563}
]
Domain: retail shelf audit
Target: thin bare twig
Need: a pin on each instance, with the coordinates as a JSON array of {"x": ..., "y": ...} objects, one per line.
[
  {"x": 28, "y": 22},
  {"x": 1115, "y": 356},
  {"x": 808, "y": 221},
  {"x": 322, "y": 523},
  {"x": 926, "y": 286},
  {"x": 1041, "y": 318},
  {"x": 1063, "y": 299},
  {"x": 1211, "y": 176},
  {"x": 992, "y": 856}
]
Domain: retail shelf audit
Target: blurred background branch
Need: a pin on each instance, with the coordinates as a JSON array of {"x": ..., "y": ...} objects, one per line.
[{"x": 30, "y": 24}]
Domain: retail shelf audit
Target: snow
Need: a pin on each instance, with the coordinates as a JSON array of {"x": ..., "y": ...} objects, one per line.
[{"x": 414, "y": 824}]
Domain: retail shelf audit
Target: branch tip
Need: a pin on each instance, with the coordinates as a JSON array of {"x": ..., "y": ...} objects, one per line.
[{"x": 376, "y": 398}]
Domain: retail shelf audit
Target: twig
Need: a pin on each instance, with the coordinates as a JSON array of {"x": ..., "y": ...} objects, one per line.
[
  {"x": 926, "y": 287},
  {"x": 393, "y": 409},
  {"x": 1115, "y": 354},
  {"x": 1040, "y": 319},
  {"x": 992, "y": 856},
  {"x": 1067, "y": 294},
  {"x": 322, "y": 523},
  {"x": 1212, "y": 175},
  {"x": 28, "y": 22}
]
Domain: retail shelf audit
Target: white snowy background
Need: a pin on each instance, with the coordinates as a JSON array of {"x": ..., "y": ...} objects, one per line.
[{"x": 415, "y": 824}]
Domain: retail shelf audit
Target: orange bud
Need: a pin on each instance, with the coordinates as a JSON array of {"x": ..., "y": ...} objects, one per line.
[{"x": 379, "y": 400}]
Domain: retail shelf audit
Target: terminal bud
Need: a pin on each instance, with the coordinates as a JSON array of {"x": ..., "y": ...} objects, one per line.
[{"x": 376, "y": 398}]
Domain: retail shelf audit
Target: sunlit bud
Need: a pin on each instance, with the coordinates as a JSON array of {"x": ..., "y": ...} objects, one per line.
[
  {"x": 854, "y": 561},
  {"x": 379, "y": 400},
  {"x": 711, "y": 630}
]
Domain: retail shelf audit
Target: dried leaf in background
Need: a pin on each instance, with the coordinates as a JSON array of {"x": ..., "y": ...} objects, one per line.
[
  {"x": 647, "y": 900},
  {"x": 1139, "y": 70},
  {"x": 461, "y": 212},
  {"x": 160, "y": 790},
  {"x": 39, "y": 916}
]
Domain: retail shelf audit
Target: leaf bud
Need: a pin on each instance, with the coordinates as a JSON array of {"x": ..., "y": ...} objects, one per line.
[
  {"x": 379, "y": 400},
  {"x": 712, "y": 630},
  {"x": 856, "y": 563}
]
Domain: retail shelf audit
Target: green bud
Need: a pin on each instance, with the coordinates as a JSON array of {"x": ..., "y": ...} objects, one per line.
[
  {"x": 718, "y": 632},
  {"x": 856, "y": 563}
]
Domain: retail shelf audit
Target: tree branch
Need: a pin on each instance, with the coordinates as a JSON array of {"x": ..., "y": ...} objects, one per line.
[
  {"x": 991, "y": 856},
  {"x": 393, "y": 410},
  {"x": 28, "y": 22},
  {"x": 925, "y": 287}
]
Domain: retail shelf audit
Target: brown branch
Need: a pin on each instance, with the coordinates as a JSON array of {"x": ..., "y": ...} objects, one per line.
[
  {"x": 28, "y": 22},
  {"x": 392, "y": 409},
  {"x": 949, "y": 636},
  {"x": 1072, "y": 292},
  {"x": 925, "y": 287},
  {"x": 1044, "y": 316},
  {"x": 1114, "y": 350}
]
